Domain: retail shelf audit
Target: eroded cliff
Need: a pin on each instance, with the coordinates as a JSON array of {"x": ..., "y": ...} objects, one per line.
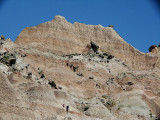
[
  {"x": 61, "y": 37},
  {"x": 90, "y": 68}
]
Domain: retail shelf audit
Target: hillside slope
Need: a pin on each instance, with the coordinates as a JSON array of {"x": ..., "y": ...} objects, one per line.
[{"x": 89, "y": 68}]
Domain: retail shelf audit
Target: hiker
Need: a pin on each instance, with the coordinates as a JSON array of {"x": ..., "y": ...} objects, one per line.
[
  {"x": 63, "y": 106},
  {"x": 67, "y": 108}
]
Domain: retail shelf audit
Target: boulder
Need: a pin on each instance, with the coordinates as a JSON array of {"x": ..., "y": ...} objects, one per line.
[
  {"x": 52, "y": 84},
  {"x": 98, "y": 111},
  {"x": 94, "y": 46},
  {"x": 16, "y": 77},
  {"x": 29, "y": 75},
  {"x": 12, "y": 61}
]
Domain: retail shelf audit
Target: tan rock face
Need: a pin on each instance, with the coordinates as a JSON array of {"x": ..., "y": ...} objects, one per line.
[{"x": 62, "y": 37}]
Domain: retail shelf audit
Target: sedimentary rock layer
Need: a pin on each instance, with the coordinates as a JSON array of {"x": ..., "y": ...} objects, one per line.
[{"x": 62, "y": 37}]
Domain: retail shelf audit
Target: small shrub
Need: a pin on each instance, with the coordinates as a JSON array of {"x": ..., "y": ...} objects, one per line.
[
  {"x": 110, "y": 56},
  {"x": 52, "y": 84},
  {"x": 110, "y": 103},
  {"x": 42, "y": 76},
  {"x": 118, "y": 108},
  {"x": 60, "y": 88},
  {"x": 24, "y": 76},
  {"x": 104, "y": 96},
  {"x": 29, "y": 75},
  {"x": 91, "y": 77},
  {"x": 86, "y": 108},
  {"x": 80, "y": 74},
  {"x": 152, "y": 47},
  {"x": 110, "y": 26},
  {"x": 130, "y": 83},
  {"x": 150, "y": 114},
  {"x": 102, "y": 100},
  {"x": 40, "y": 72},
  {"x": 101, "y": 56}
]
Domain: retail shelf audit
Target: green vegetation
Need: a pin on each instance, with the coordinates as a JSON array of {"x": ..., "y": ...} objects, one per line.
[
  {"x": 5, "y": 58},
  {"x": 8, "y": 58},
  {"x": 40, "y": 72},
  {"x": 150, "y": 114},
  {"x": 24, "y": 76},
  {"x": 110, "y": 26},
  {"x": 104, "y": 96}
]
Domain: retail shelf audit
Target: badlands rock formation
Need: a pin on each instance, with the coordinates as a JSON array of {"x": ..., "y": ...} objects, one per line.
[
  {"x": 62, "y": 37},
  {"x": 88, "y": 67}
]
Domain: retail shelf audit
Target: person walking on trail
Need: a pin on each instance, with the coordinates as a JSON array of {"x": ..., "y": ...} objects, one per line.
[
  {"x": 63, "y": 105},
  {"x": 67, "y": 108}
]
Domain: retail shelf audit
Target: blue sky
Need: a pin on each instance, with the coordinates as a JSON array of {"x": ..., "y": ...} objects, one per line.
[{"x": 137, "y": 21}]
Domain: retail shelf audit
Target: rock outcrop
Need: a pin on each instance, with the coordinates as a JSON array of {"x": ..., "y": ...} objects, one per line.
[
  {"x": 62, "y": 37},
  {"x": 89, "y": 68}
]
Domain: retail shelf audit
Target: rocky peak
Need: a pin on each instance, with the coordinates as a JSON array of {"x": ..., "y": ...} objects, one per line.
[
  {"x": 59, "y": 18},
  {"x": 61, "y": 37},
  {"x": 57, "y": 23}
]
